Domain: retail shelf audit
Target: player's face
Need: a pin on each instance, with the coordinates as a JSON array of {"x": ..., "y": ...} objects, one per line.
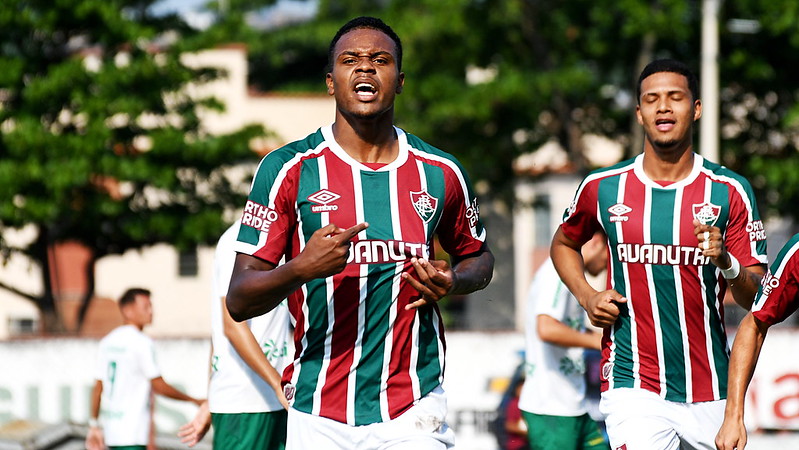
[
  {"x": 667, "y": 110},
  {"x": 142, "y": 310},
  {"x": 365, "y": 78}
]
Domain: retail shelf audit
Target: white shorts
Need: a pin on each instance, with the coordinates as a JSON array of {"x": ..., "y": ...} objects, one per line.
[
  {"x": 638, "y": 419},
  {"x": 422, "y": 427}
]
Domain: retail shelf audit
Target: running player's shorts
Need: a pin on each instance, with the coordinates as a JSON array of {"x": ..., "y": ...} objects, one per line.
[
  {"x": 638, "y": 419},
  {"x": 421, "y": 427},
  {"x": 266, "y": 430},
  {"x": 563, "y": 432}
]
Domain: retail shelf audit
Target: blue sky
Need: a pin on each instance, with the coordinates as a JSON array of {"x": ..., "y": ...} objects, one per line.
[{"x": 284, "y": 11}]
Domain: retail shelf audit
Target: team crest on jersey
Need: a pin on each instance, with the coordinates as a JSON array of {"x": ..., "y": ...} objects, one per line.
[
  {"x": 424, "y": 204},
  {"x": 706, "y": 213},
  {"x": 289, "y": 390},
  {"x": 618, "y": 212},
  {"x": 322, "y": 199},
  {"x": 606, "y": 371}
]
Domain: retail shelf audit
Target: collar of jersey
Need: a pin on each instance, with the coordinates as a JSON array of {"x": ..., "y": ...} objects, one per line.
[
  {"x": 402, "y": 155},
  {"x": 638, "y": 168}
]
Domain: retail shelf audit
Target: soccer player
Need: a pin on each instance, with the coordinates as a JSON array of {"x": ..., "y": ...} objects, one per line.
[
  {"x": 777, "y": 299},
  {"x": 553, "y": 397},
  {"x": 354, "y": 208},
  {"x": 126, "y": 377},
  {"x": 246, "y": 404},
  {"x": 680, "y": 231}
]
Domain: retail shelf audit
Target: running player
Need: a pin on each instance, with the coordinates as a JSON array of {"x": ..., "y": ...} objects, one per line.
[
  {"x": 777, "y": 299},
  {"x": 126, "y": 377},
  {"x": 354, "y": 208},
  {"x": 553, "y": 397},
  {"x": 680, "y": 231},
  {"x": 246, "y": 402}
]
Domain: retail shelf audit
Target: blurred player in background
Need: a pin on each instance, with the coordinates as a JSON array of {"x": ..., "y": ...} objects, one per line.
[
  {"x": 553, "y": 399},
  {"x": 355, "y": 208},
  {"x": 246, "y": 404},
  {"x": 680, "y": 231},
  {"x": 126, "y": 377},
  {"x": 777, "y": 299}
]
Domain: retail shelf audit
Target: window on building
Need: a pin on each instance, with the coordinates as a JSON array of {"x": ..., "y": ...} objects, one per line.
[
  {"x": 188, "y": 265},
  {"x": 20, "y": 326}
]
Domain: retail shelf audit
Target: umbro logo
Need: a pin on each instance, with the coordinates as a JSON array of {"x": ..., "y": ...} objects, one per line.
[
  {"x": 322, "y": 199},
  {"x": 618, "y": 212}
]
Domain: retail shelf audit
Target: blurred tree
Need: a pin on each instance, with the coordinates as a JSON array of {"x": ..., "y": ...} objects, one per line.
[{"x": 99, "y": 142}]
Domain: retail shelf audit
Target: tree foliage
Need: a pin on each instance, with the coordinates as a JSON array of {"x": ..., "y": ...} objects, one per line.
[
  {"x": 559, "y": 70},
  {"x": 100, "y": 142}
]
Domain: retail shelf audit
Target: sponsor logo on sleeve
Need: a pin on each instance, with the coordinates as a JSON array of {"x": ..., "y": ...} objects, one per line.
[
  {"x": 473, "y": 213},
  {"x": 706, "y": 213},
  {"x": 756, "y": 231},
  {"x": 258, "y": 216}
]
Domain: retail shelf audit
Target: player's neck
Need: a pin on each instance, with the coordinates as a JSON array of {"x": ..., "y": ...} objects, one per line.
[
  {"x": 367, "y": 141},
  {"x": 673, "y": 164}
]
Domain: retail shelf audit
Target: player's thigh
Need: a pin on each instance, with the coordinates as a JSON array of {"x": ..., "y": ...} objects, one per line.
[
  {"x": 250, "y": 431},
  {"x": 701, "y": 423},
  {"x": 639, "y": 420}
]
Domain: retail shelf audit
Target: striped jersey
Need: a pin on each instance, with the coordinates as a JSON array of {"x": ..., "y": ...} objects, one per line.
[
  {"x": 670, "y": 337},
  {"x": 360, "y": 357},
  {"x": 778, "y": 296}
]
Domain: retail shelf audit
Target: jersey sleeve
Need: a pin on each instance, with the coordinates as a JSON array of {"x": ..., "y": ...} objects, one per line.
[
  {"x": 224, "y": 260},
  {"x": 460, "y": 231},
  {"x": 580, "y": 219},
  {"x": 550, "y": 295},
  {"x": 147, "y": 361},
  {"x": 269, "y": 215},
  {"x": 778, "y": 296},
  {"x": 745, "y": 236}
]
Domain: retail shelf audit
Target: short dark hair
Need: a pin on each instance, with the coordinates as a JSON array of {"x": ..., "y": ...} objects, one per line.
[
  {"x": 130, "y": 295},
  {"x": 669, "y": 65},
  {"x": 364, "y": 22}
]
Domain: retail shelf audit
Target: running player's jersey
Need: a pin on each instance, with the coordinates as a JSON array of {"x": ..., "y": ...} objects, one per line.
[
  {"x": 234, "y": 387},
  {"x": 669, "y": 337},
  {"x": 126, "y": 365},
  {"x": 554, "y": 375},
  {"x": 778, "y": 296},
  {"x": 360, "y": 357}
]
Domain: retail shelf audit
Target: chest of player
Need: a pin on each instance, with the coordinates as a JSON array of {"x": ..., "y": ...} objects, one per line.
[
  {"x": 403, "y": 206},
  {"x": 651, "y": 225}
]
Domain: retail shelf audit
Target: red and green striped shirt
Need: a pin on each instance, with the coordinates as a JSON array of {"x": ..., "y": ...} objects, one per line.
[
  {"x": 360, "y": 356},
  {"x": 670, "y": 337},
  {"x": 778, "y": 296}
]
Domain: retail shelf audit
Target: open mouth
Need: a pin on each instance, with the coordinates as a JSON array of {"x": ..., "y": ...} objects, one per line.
[
  {"x": 365, "y": 91},
  {"x": 664, "y": 124}
]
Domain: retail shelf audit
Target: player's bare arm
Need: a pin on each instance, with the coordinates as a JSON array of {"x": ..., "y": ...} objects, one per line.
[
  {"x": 245, "y": 344},
  {"x": 436, "y": 279},
  {"x": 602, "y": 306},
  {"x": 161, "y": 387},
  {"x": 257, "y": 286},
  {"x": 745, "y": 352},
  {"x": 553, "y": 331},
  {"x": 745, "y": 281}
]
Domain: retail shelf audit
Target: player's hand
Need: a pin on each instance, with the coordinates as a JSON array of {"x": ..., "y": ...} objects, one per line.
[
  {"x": 603, "y": 308},
  {"x": 731, "y": 435},
  {"x": 709, "y": 239},
  {"x": 327, "y": 251},
  {"x": 94, "y": 439},
  {"x": 193, "y": 432},
  {"x": 434, "y": 279}
]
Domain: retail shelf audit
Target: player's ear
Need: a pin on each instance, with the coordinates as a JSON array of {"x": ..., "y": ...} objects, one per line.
[{"x": 329, "y": 82}]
